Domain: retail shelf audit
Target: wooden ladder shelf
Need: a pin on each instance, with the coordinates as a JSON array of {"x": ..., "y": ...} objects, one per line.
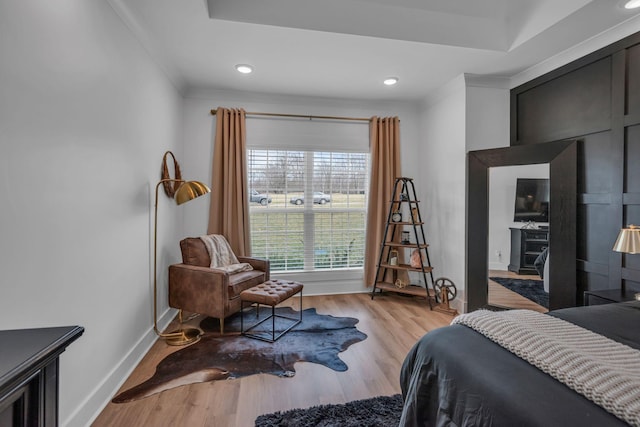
[{"x": 404, "y": 234}]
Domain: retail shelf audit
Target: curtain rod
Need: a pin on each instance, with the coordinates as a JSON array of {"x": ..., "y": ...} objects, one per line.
[{"x": 356, "y": 119}]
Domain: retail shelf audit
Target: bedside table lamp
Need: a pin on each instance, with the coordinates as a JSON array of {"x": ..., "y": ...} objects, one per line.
[{"x": 628, "y": 242}]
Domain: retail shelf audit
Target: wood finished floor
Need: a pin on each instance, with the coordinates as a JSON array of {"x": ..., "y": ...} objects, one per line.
[
  {"x": 500, "y": 296},
  {"x": 392, "y": 322}
]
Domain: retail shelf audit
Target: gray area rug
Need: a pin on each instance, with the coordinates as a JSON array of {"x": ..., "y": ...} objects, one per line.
[{"x": 382, "y": 411}]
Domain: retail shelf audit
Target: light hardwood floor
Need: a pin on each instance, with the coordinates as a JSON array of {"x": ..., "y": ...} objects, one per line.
[{"x": 392, "y": 322}]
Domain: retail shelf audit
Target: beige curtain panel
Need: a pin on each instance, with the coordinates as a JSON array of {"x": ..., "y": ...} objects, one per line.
[
  {"x": 229, "y": 211},
  {"x": 384, "y": 140}
]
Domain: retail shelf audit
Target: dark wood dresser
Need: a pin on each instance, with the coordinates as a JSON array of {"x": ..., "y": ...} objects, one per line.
[
  {"x": 526, "y": 245},
  {"x": 29, "y": 374}
]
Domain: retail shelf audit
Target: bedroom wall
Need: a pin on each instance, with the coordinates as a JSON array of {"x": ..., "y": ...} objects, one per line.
[
  {"x": 487, "y": 126},
  {"x": 594, "y": 100},
  {"x": 441, "y": 183},
  {"x": 85, "y": 117},
  {"x": 470, "y": 112},
  {"x": 486, "y": 112},
  {"x": 199, "y": 131}
]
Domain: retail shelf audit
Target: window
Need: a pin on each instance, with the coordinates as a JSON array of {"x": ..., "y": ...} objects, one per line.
[{"x": 308, "y": 208}]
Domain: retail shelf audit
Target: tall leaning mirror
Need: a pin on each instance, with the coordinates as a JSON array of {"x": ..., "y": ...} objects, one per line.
[{"x": 561, "y": 157}]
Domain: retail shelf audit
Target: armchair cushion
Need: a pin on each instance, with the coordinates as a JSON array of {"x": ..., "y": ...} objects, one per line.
[
  {"x": 194, "y": 252},
  {"x": 240, "y": 281}
]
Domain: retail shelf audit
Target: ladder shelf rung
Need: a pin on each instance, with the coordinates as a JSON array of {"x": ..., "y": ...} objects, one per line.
[
  {"x": 409, "y": 289},
  {"x": 407, "y": 245},
  {"x": 407, "y": 267}
]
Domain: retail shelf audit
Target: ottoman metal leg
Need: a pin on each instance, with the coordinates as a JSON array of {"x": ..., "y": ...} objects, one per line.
[{"x": 273, "y": 316}]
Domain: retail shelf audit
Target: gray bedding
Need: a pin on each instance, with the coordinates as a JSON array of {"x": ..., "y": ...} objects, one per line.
[{"x": 454, "y": 376}]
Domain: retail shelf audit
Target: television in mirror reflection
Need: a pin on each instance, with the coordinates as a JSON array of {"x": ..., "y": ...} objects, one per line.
[{"x": 531, "y": 200}]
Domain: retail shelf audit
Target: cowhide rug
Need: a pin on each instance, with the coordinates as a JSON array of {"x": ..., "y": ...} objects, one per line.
[{"x": 318, "y": 339}]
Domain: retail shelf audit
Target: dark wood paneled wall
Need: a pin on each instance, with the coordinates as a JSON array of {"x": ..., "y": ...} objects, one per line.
[{"x": 596, "y": 100}]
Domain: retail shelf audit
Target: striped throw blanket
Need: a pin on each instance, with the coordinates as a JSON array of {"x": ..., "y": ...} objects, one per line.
[
  {"x": 602, "y": 370},
  {"x": 222, "y": 257}
]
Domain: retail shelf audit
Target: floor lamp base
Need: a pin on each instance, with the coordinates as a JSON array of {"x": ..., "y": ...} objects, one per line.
[{"x": 184, "y": 337}]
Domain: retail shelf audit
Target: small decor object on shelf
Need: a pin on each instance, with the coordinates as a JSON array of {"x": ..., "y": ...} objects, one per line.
[
  {"x": 396, "y": 216},
  {"x": 400, "y": 283},
  {"x": 416, "y": 259},
  {"x": 404, "y": 197},
  {"x": 393, "y": 257},
  {"x": 406, "y": 238}
]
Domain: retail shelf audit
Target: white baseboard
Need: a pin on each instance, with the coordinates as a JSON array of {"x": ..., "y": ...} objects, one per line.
[
  {"x": 101, "y": 395},
  {"x": 333, "y": 288}
]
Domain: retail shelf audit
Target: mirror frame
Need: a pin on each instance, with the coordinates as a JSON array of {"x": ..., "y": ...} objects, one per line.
[{"x": 562, "y": 159}]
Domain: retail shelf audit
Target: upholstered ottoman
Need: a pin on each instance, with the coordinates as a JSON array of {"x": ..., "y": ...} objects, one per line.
[{"x": 272, "y": 293}]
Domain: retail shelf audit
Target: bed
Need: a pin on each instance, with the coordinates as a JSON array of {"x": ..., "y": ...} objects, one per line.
[{"x": 456, "y": 376}]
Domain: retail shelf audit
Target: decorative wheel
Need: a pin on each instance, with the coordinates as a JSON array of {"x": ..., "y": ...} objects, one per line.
[{"x": 444, "y": 283}]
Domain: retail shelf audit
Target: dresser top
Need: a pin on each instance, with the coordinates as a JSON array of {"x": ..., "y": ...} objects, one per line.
[{"x": 23, "y": 351}]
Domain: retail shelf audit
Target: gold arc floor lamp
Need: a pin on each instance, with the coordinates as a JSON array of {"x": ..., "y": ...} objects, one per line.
[
  {"x": 187, "y": 191},
  {"x": 628, "y": 242}
]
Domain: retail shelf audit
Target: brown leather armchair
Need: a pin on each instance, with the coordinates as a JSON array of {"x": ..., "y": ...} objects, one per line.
[{"x": 197, "y": 288}]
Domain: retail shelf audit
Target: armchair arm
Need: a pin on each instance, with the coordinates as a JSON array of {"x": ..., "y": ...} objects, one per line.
[
  {"x": 197, "y": 289},
  {"x": 260, "y": 264}
]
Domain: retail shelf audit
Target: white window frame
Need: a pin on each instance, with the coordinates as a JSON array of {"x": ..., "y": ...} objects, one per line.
[
  {"x": 318, "y": 136},
  {"x": 311, "y": 211}
]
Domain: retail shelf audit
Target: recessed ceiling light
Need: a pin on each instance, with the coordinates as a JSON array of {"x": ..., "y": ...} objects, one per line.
[
  {"x": 632, "y": 4},
  {"x": 244, "y": 68},
  {"x": 390, "y": 81}
]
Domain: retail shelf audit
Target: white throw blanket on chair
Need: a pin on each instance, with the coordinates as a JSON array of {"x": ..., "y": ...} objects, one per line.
[{"x": 222, "y": 257}]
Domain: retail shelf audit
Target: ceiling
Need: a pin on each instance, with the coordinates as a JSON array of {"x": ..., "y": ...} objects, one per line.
[{"x": 345, "y": 48}]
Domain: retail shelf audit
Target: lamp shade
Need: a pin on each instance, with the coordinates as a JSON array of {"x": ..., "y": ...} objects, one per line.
[
  {"x": 628, "y": 240},
  {"x": 190, "y": 190}
]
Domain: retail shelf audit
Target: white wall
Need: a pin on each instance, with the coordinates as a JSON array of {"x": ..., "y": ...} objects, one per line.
[
  {"x": 85, "y": 117},
  {"x": 441, "y": 181},
  {"x": 487, "y": 126},
  {"x": 487, "y": 112},
  {"x": 502, "y": 192},
  {"x": 469, "y": 113},
  {"x": 199, "y": 132}
]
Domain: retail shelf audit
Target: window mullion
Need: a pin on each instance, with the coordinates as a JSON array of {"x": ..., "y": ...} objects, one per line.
[{"x": 309, "y": 223}]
